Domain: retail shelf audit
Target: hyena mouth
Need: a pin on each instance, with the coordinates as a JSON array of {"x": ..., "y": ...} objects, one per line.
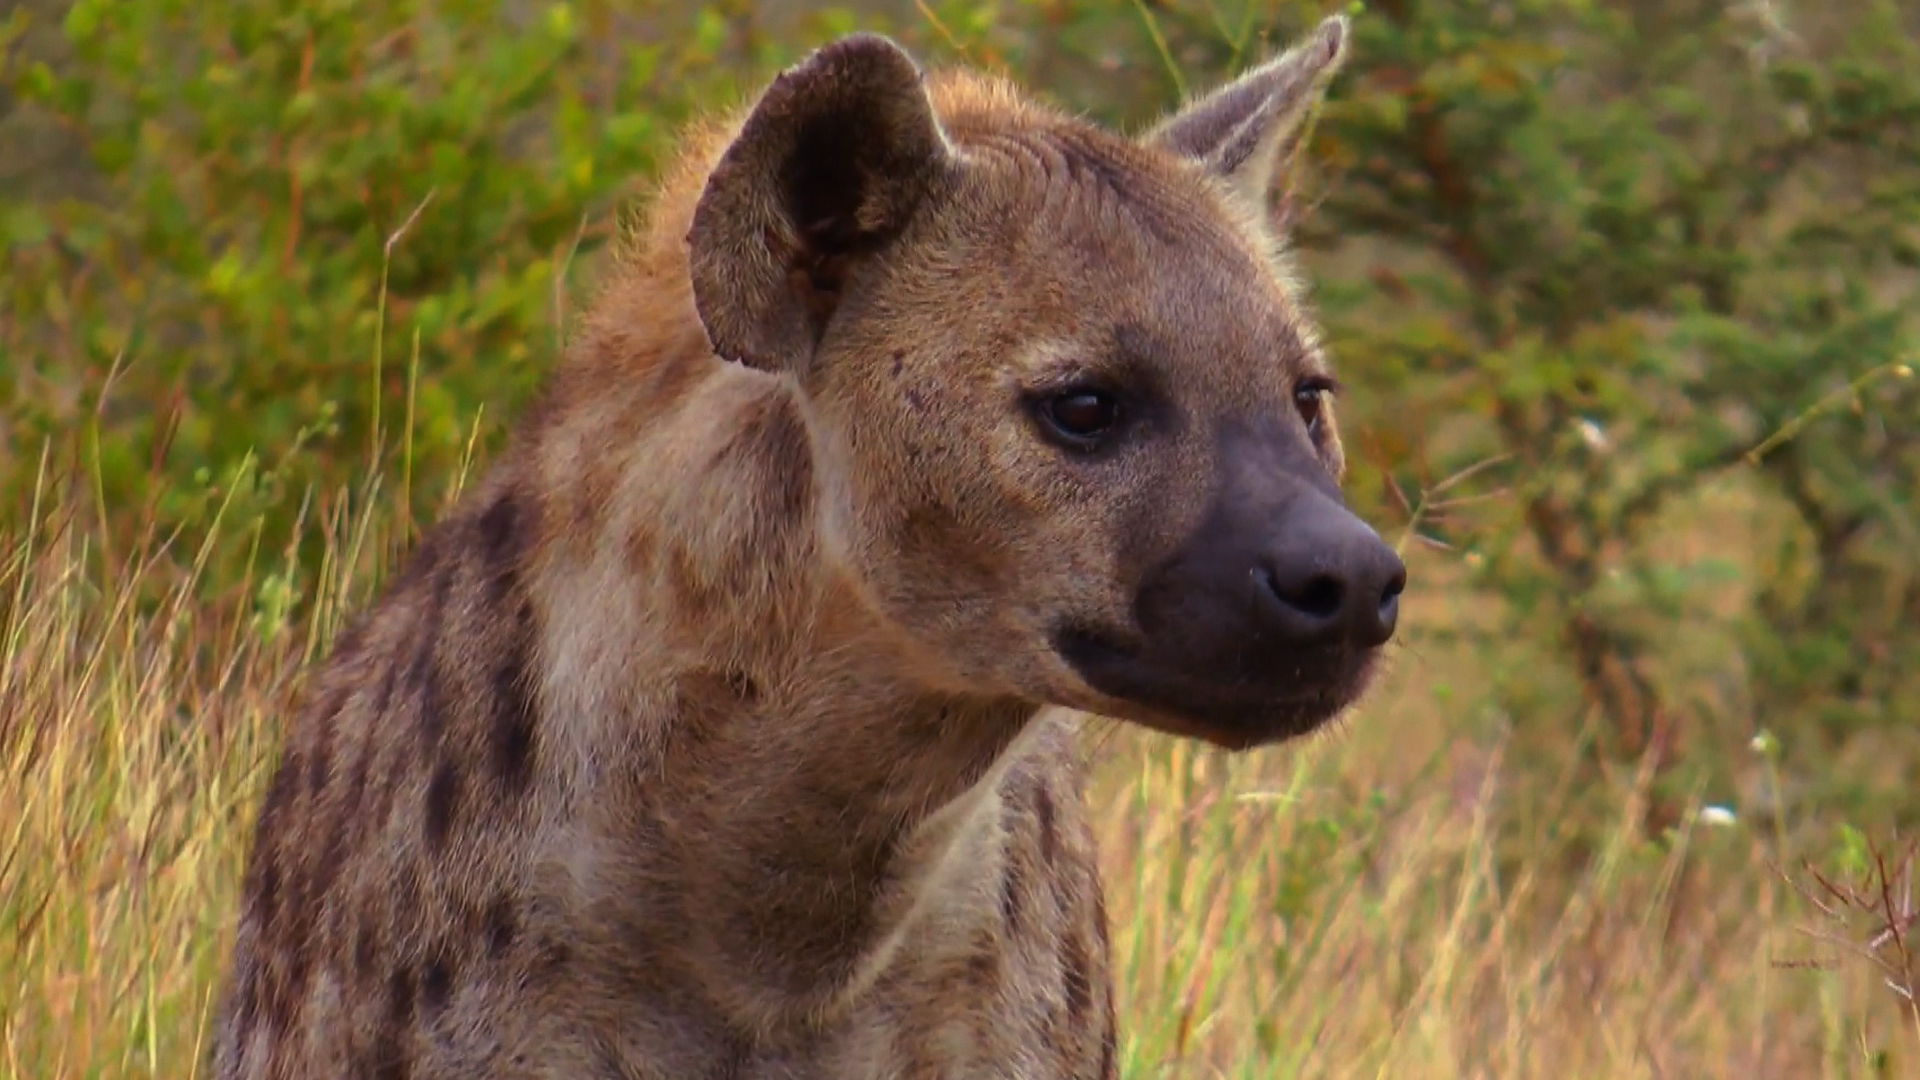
[{"x": 1224, "y": 704}]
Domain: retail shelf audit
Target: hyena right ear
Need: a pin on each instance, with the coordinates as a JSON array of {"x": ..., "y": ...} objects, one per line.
[
  {"x": 831, "y": 164},
  {"x": 1240, "y": 131}
]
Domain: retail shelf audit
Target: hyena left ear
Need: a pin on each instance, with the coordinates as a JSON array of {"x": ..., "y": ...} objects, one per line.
[
  {"x": 834, "y": 160},
  {"x": 1240, "y": 131}
]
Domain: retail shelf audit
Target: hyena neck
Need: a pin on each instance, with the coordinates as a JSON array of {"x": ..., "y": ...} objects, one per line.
[
  {"x": 786, "y": 781},
  {"x": 816, "y": 823}
]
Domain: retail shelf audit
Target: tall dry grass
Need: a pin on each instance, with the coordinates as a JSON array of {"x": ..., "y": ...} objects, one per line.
[{"x": 1390, "y": 900}]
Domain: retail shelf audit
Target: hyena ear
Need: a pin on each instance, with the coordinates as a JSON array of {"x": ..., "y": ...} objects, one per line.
[
  {"x": 1240, "y": 131},
  {"x": 832, "y": 162}
]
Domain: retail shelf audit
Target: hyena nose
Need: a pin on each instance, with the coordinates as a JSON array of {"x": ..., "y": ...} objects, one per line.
[{"x": 1330, "y": 580}]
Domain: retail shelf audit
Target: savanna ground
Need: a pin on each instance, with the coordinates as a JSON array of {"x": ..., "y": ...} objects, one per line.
[{"x": 1469, "y": 878}]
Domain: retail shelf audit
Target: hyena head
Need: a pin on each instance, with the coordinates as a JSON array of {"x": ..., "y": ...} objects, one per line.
[{"x": 1070, "y": 421}]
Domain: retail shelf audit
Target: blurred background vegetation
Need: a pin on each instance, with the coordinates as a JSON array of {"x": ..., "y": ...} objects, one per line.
[{"x": 1628, "y": 293}]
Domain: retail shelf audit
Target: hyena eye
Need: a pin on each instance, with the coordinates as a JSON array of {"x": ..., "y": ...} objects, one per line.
[
  {"x": 1309, "y": 396},
  {"x": 1081, "y": 415}
]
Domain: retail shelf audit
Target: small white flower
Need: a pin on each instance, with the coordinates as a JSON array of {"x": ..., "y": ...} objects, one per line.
[
  {"x": 1717, "y": 816},
  {"x": 1592, "y": 434}
]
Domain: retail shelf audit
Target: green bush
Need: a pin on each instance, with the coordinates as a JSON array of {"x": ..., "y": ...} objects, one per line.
[
  {"x": 1583, "y": 263},
  {"x": 305, "y": 227},
  {"x": 1610, "y": 261}
]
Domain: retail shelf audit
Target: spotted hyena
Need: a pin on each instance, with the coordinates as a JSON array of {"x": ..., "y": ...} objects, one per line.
[{"x": 723, "y": 730}]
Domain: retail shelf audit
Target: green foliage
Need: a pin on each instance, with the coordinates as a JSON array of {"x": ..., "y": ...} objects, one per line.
[
  {"x": 1618, "y": 258},
  {"x": 287, "y": 210},
  {"x": 1646, "y": 245},
  {"x": 1625, "y": 291}
]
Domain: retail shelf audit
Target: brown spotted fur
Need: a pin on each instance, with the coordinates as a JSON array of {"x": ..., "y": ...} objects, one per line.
[{"x": 708, "y": 737}]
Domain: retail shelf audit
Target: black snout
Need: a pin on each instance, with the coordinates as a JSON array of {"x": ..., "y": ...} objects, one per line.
[
  {"x": 1266, "y": 619},
  {"x": 1328, "y": 580}
]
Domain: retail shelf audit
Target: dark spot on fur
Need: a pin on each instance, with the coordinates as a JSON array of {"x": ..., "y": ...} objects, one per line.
[
  {"x": 423, "y": 671},
  {"x": 391, "y": 1057},
  {"x": 1077, "y": 978},
  {"x": 935, "y": 534},
  {"x": 551, "y": 956},
  {"x": 899, "y": 361},
  {"x": 436, "y": 987},
  {"x": 407, "y": 914},
  {"x": 1011, "y": 884},
  {"x": 443, "y": 802},
  {"x": 499, "y": 526},
  {"x": 734, "y": 1059},
  {"x": 607, "y": 1064},
  {"x": 983, "y": 961},
  {"x": 503, "y": 530},
  {"x": 525, "y": 631},
  {"x": 828, "y": 910},
  {"x": 318, "y": 764},
  {"x": 320, "y": 758},
  {"x": 328, "y": 860},
  {"x": 511, "y": 740},
  {"x": 285, "y": 957},
  {"x": 266, "y": 891},
  {"x": 366, "y": 948},
  {"x": 357, "y": 787},
  {"x": 388, "y": 1060},
  {"x": 783, "y": 438},
  {"x": 424, "y": 677},
  {"x": 513, "y": 733},
  {"x": 928, "y": 729},
  {"x": 1013, "y": 875},
  {"x": 297, "y": 885},
  {"x": 702, "y": 700},
  {"x": 400, "y": 997},
  {"x": 1049, "y": 831},
  {"x": 691, "y": 593},
  {"x": 280, "y": 794},
  {"x": 742, "y": 686},
  {"x": 501, "y": 926},
  {"x": 1109, "y": 1048}
]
